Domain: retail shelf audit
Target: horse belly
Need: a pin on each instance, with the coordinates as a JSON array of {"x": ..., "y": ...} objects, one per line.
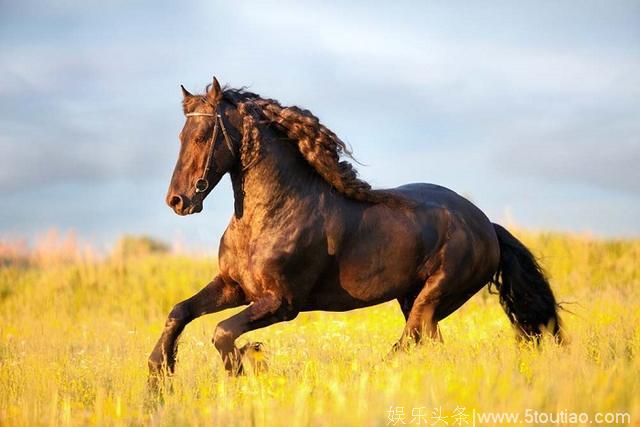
[
  {"x": 343, "y": 291},
  {"x": 381, "y": 276},
  {"x": 373, "y": 270},
  {"x": 333, "y": 295}
]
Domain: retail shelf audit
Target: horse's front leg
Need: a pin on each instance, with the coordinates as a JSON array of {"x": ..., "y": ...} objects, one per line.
[
  {"x": 216, "y": 296},
  {"x": 263, "y": 312}
]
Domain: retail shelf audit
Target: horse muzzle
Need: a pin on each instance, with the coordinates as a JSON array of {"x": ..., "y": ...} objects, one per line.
[{"x": 182, "y": 205}]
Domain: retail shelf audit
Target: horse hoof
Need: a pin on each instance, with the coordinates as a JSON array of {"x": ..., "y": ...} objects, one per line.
[
  {"x": 251, "y": 347},
  {"x": 399, "y": 347},
  {"x": 254, "y": 357}
]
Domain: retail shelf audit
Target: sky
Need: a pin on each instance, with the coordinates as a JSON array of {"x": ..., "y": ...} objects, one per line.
[{"x": 531, "y": 108}]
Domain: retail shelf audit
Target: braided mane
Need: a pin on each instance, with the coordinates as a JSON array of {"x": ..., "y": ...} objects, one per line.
[{"x": 320, "y": 146}]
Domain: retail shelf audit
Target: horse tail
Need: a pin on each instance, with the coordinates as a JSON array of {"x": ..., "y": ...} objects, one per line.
[{"x": 525, "y": 294}]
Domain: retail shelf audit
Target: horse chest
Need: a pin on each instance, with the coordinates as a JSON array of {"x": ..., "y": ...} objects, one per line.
[{"x": 266, "y": 259}]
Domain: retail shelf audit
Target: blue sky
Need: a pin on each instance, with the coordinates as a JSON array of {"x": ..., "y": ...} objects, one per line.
[{"x": 532, "y": 109}]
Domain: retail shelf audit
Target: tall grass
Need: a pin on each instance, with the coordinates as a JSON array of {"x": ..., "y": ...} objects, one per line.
[{"x": 75, "y": 334}]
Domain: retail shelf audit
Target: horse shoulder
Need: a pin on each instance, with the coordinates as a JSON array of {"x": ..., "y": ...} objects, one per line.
[{"x": 282, "y": 255}]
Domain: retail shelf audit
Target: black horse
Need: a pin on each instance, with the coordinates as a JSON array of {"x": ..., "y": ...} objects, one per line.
[{"x": 307, "y": 234}]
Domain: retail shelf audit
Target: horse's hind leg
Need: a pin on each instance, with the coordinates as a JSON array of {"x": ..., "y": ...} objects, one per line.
[
  {"x": 406, "y": 302},
  {"x": 421, "y": 321}
]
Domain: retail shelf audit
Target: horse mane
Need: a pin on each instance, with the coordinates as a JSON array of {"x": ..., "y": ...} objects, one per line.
[{"x": 320, "y": 147}]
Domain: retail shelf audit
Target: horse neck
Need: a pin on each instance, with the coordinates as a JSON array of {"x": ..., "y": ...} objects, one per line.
[{"x": 278, "y": 181}]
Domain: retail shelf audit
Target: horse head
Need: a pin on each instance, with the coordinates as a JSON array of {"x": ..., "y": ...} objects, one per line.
[{"x": 207, "y": 151}]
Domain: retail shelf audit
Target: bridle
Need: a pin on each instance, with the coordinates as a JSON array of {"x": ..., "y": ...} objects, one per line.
[{"x": 202, "y": 184}]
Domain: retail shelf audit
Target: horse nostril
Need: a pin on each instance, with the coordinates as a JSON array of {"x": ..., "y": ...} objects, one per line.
[{"x": 175, "y": 201}]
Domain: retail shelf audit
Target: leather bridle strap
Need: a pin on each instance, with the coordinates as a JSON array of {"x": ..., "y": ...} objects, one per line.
[{"x": 202, "y": 184}]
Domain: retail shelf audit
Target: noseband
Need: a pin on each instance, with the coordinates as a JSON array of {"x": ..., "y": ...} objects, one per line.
[{"x": 202, "y": 184}]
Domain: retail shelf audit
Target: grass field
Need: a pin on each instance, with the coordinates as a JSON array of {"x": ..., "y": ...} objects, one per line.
[{"x": 75, "y": 335}]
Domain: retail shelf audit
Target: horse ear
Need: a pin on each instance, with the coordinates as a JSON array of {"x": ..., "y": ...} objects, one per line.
[
  {"x": 185, "y": 93},
  {"x": 215, "y": 91}
]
